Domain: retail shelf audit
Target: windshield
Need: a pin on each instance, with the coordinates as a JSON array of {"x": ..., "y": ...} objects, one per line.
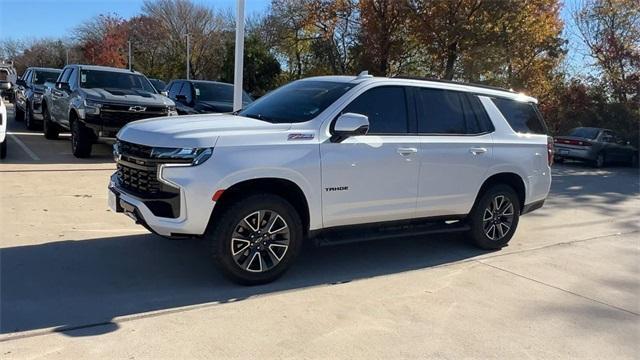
[
  {"x": 90, "y": 79},
  {"x": 296, "y": 102},
  {"x": 586, "y": 133},
  {"x": 159, "y": 85},
  {"x": 217, "y": 92},
  {"x": 40, "y": 77}
]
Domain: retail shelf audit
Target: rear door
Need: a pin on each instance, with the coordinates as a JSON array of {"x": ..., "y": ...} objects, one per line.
[
  {"x": 372, "y": 178},
  {"x": 455, "y": 151}
]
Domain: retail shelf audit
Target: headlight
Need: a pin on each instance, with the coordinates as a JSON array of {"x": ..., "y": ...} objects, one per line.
[
  {"x": 92, "y": 107},
  {"x": 195, "y": 155}
]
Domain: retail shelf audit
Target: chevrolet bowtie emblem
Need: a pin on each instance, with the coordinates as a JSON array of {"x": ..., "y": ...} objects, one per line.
[{"x": 137, "y": 108}]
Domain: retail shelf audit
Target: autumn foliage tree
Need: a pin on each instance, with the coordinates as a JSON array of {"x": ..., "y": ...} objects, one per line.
[{"x": 104, "y": 40}]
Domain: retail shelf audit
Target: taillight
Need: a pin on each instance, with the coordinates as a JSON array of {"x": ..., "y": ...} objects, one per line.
[{"x": 550, "y": 150}]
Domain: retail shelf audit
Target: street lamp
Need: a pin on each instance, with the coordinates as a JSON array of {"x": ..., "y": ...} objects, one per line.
[
  {"x": 188, "y": 36},
  {"x": 129, "y": 45},
  {"x": 237, "y": 78}
]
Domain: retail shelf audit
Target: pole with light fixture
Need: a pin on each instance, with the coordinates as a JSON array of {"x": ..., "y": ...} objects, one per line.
[{"x": 237, "y": 78}]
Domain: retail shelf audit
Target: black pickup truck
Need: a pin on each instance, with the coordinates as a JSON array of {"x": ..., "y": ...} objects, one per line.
[{"x": 96, "y": 101}]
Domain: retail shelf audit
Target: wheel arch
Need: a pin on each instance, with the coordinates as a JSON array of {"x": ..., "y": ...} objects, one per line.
[
  {"x": 511, "y": 179},
  {"x": 282, "y": 187}
]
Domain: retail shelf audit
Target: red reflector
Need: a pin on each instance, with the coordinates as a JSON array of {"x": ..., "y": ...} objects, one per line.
[{"x": 217, "y": 195}]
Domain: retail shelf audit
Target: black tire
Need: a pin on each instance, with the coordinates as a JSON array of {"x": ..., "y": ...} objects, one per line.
[
  {"x": 600, "y": 161},
  {"x": 634, "y": 160},
  {"x": 232, "y": 221},
  {"x": 19, "y": 114},
  {"x": 480, "y": 232},
  {"x": 29, "y": 122},
  {"x": 81, "y": 140},
  {"x": 3, "y": 149},
  {"x": 49, "y": 128}
]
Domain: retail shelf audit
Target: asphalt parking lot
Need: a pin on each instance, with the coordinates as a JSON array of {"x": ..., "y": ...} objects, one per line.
[{"x": 80, "y": 281}]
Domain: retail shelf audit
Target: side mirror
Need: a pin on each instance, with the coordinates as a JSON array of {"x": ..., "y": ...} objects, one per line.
[
  {"x": 5, "y": 85},
  {"x": 164, "y": 93},
  {"x": 21, "y": 82},
  {"x": 181, "y": 98},
  {"x": 62, "y": 85},
  {"x": 349, "y": 124}
]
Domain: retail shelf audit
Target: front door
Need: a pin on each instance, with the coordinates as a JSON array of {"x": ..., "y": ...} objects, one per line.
[{"x": 373, "y": 177}]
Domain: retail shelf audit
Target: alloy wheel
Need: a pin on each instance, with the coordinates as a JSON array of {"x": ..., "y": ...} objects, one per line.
[
  {"x": 497, "y": 218},
  {"x": 260, "y": 241}
]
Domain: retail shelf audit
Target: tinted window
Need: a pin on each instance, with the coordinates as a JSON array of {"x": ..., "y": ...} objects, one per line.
[
  {"x": 586, "y": 133},
  {"x": 65, "y": 75},
  {"x": 386, "y": 108},
  {"x": 480, "y": 114},
  {"x": 296, "y": 102},
  {"x": 186, "y": 92},
  {"x": 174, "y": 89},
  {"x": 522, "y": 116},
  {"x": 114, "y": 80},
  {"x": 40, "y": 77},
  {"x": 217, "y": 92},
  {"x": 441, "y": 112},
  {"x": 73, "y": 79}
]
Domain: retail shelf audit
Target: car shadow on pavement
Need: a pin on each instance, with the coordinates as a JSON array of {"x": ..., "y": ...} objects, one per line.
[{"x": 75, "y": 284}]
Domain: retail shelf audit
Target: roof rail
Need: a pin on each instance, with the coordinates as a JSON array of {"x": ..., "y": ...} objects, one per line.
[{"x": 455, "y": 82}]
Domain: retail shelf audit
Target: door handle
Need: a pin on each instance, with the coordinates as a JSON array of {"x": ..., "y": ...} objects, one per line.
[
  {"x": 477, "y": 150},
  {"x": 407, "y": 151}
]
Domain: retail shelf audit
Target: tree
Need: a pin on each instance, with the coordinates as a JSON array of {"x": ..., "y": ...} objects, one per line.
[
  {"x": 260, "y": 67},
  {"x": 103, "y": 40},
  {"x": 611, "y": 31}
]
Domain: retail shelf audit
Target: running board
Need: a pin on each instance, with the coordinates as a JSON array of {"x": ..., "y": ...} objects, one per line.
[{"x": 353, "y": 234}]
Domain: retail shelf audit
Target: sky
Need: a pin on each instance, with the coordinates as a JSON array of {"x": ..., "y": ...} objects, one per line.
[{"x": 56, "y": 18}]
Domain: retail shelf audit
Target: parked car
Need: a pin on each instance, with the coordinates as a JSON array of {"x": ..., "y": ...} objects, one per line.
[
  {"x": 198, "y": 97},
  {"x": 3, "y": 124},
  {"x": 336, "y": 159},
  {"x": 96, "y": 101},
  {"x": 596, "y": 146},
  {"x": 7, "y": 76},
  {"x": 158, "y": 84},
  {"x": 29, "y": 94}
]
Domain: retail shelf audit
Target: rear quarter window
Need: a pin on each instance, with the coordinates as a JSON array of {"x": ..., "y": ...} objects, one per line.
[{"x": 523, "y": 117}]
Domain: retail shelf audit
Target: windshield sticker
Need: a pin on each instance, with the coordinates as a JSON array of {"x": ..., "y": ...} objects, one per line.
[
  {"x": 197, "y": 92},
  {"x": 83, "y": 78}
]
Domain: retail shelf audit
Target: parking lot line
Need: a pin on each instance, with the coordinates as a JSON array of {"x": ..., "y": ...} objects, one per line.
[{"x": 24, "y": 147}]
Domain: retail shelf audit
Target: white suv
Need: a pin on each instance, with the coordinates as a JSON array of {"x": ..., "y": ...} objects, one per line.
[{"x": 336, "y": 159}]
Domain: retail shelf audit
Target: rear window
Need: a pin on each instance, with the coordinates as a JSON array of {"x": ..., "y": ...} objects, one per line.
[
  {"x": 586, "y": 133},
  {"x": 522, "y": 116}
]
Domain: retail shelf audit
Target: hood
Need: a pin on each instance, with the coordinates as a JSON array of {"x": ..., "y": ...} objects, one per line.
[
  {"x": 127, "y": 97},
  {"x": 193, "y": 131}
]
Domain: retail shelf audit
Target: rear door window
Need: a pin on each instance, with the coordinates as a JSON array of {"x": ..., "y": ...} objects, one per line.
[
  {"x": 440, "y": 112},
  {"x": 521, "y": 116},
  {"x": 386, "y": 107}
]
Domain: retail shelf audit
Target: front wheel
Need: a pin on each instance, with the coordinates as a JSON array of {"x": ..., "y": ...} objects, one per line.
[
  {"x": 50, "y": 129},
  {"x": 81, "y": 140},
  {"x": 256, "y": 239},
  {"x": 19, "y": 114},
  {"x": 494, "y": 218}
]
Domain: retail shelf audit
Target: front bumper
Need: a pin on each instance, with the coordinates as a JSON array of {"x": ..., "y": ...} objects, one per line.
[{"x": 193, "y": 212}]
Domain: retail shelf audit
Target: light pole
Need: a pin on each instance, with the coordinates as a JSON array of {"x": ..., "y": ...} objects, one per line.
[
  {"x": 67, "y": 63},
  {"x": 239, "y": 55},
  {"x": 129, "y": 45},
  {"x": 188, "y": 53}
]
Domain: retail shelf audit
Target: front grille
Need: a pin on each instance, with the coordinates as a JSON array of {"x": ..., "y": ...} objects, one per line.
[{"x": 141, "y": 180}]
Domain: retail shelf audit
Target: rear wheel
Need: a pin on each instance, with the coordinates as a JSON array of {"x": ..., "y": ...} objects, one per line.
[
  {"x": 50, "y": 129},
  {"x": 81, "y": 140},
  {"x": 494, "y": 218},
  {"x": 256, "y": 239}
]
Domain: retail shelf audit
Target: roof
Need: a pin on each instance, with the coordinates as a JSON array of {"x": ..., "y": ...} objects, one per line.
[
  {"x": 106, "y": 68},
  {"x": 432, "y": 83},
  {"x": 44, "y": 69},
  {"x": 204, "y": 82}
]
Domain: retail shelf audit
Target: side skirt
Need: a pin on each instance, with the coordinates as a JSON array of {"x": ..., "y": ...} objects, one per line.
[{"x": 392, "y": 229}]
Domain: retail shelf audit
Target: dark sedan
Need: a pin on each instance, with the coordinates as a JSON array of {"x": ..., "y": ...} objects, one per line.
[
  {"x": 596, "y": 146},
  {"x": 198, "y": 97}
]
